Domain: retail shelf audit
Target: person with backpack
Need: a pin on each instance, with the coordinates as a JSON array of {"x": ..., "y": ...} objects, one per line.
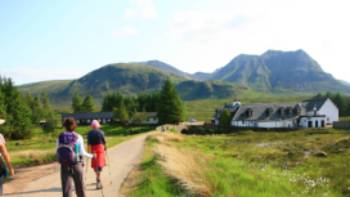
[
  {"x": 6, "y": 168},
  {"x": 70, "y": 153},
  {"x": 97, "y": 146}
]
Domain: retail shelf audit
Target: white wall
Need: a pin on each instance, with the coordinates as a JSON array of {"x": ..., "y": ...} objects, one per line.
[
  {"x": 304, "y": 122},
  {"x": 264, "y": 124},
  {"x": 330, "y": 110}
]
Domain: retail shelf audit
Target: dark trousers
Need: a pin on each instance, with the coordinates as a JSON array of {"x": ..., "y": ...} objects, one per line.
[
  {"x": 68, "y": 176},
  {"x": 1, "y": 185}
]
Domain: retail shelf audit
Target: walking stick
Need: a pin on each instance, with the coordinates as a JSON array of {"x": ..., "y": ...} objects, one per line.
[
  {"x": 109, "y": 166},
  {"x": 86, "y": 170}
]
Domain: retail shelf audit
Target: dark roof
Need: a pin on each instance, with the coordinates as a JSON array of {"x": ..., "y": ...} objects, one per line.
[
  {"x": 259, "y": 112},
  {"x": 271, "y": 111},
  {"x": 315, "y": 103},
  {"x": 92, "y": 115}
]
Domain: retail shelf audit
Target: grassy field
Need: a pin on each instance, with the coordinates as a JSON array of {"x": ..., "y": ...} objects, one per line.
[
  {"x": 40, "y": 148},
  {"x": 203, "y": 110},
  {"x": 302, "y": 163}
]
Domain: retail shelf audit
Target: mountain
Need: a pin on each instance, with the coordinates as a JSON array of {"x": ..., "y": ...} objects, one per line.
[
  {"x": 279, "y": 70},
  {"x": 167, "y": 68},
  {"x": 202, "y": 76},
  {"x": 272, "y": 71},
  {"x": 191, "y": 90},
  {"x": 130, "y": 79}
]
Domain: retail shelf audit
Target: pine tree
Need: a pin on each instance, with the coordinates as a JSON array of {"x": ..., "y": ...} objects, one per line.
[
  {"x": 121, "y": 114},
  {"x": 88, "y": 104},
  {"x": 77, "y": 103},
  {"x": 18, "y": 116},
  {"x": 171, "y": 108},
  {"x": 225, "y": 119}
]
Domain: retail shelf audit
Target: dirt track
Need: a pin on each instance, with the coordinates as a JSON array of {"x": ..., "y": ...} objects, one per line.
[{"x": 44, "y": 181}]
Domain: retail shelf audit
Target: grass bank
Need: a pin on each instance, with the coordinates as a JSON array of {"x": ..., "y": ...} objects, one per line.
[
  {"x": 40, "y": 149},
  {"x": 302, "y": 163}
]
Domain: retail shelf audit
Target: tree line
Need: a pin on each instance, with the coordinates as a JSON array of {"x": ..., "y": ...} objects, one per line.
[
  {"x": 342, "y": 101},
  {"x": 22, "y": 112},
  {"x": 166, "y": 102}
]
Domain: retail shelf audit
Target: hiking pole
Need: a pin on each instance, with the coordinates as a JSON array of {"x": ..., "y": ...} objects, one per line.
[
  {"x": 86, "y": 170},
  {"x": 109, "y": 166}
]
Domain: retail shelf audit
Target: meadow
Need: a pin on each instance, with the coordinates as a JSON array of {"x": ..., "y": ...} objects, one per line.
[
  {"x": 299, "y": 163},
  {"x": 40, "y": 149}
]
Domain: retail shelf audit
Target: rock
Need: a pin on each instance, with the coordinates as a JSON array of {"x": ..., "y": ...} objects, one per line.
[{"x": 320, "y": 154}]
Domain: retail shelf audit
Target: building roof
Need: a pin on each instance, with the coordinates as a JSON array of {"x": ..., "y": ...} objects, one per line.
[
  {"x": 275, "y": 112},
  {"x": 314, "y": 104},
  {"x": 91, "y": 115},
  {"x": 266, "y": 112}
]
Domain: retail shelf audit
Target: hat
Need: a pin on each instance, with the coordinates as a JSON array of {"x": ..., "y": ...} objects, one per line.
[
  {"x": 2, "y": 121},
  {"x": 95, "y": 124}
]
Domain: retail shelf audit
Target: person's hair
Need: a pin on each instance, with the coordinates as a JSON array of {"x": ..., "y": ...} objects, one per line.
[{"x": 70, "y": 124}]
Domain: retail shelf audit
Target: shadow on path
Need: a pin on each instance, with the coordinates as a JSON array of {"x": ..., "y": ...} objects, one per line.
[{"x": 53, "y": 190}]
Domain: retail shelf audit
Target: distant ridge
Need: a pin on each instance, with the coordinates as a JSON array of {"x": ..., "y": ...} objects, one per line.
[{"x": 272, "y": 71}]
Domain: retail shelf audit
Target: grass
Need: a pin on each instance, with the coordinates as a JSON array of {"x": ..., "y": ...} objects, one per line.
[
  {"x": 302, "y": 163},
  {"x": 153, "y": 181},
  {"x": 40, "y": 149}
]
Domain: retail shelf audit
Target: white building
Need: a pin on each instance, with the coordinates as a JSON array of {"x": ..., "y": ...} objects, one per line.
[{"x": 308, "y": 114}]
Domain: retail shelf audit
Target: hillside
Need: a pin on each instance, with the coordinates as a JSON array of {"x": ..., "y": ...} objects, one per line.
[
  {"x": 278, "y": 70},
  {"x": 131, "y": 79},
  {"x": 272, "y": 72}
]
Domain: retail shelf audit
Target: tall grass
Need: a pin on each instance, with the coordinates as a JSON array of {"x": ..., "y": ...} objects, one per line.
[{"x": 255, "y": 163}]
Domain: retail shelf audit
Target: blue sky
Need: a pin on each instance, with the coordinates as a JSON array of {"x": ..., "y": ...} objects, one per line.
[{"x": 65, "y": 39}]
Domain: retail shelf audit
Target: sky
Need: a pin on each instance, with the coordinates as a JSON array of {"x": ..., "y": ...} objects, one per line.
[{"x": 65, "y": 39}]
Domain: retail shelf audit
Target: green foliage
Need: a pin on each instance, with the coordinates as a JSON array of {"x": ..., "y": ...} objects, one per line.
[
  {"x": 225, "y": 119},
  {"x": 148, "y": 102},
  {"x": 16, "y": 112},
  {"x": 340, "y": 100},
  {"x": 171, "y": 108},
  {"x": 88, "y": 104},
  {"x": 50, "y": 123},
  {"x": 77, "y": 102},
  {"x": 82, "y": 106},
  {"x": 121, "y": 115}
]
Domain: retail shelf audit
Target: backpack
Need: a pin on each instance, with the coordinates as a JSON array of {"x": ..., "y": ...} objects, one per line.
[{"x": 68, "y": 149}]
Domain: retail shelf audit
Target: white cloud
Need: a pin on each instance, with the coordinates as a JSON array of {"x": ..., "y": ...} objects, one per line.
[
  {"x": 126, "y": 31},
  {"x": 210, "y": 37},
  {"x": 141, "y": 9}
]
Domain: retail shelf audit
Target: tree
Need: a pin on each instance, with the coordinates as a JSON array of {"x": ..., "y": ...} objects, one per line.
[
  {"x": 121, "y": 115},
  {"x": 171, "y": 108},
  {"x": 88, "y": 104},
  {"x": 225, "y": 119},
  {"x": 18, "y": 116},
  {"x": 50, "y": 123},
  {"x": 77, "y": 102},
  {"x": 112, "y": 101}
]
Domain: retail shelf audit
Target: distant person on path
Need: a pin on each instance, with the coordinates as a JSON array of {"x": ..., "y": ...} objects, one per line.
[
  {"x": 6, "y": 168},
  {"x": 97, "y": 146},
  {"x": 70, "y": 152}
]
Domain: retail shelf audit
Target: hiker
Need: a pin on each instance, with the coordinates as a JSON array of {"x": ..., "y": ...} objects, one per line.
[
  {"x": 70, "y": 152},
  {"x": 6, "y": 168},
  {"x": 97, "y": 146}
]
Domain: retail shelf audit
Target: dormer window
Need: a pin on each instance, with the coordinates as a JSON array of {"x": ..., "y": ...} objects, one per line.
[
  {"x": 268, "y": 112},
  {"x": 249, "y": 112},
  {"x": 280, "y": 111}
]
